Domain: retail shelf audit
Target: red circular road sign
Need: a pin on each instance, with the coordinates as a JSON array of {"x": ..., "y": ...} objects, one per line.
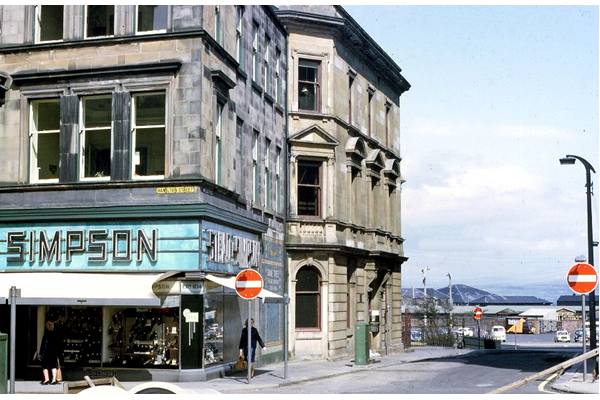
[
  {"x": 477, "y": 313},
  {"x": 582, "y": 278},
  {"x": 248, "y": 284}
]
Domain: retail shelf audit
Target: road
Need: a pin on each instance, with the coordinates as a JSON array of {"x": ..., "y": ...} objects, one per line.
[{"x": 472, "y": 374}]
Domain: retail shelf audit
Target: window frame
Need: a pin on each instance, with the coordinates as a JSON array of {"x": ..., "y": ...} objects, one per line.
[
  {"x": 219, "y": 143},
  {"x": 239, "y": 35},
  {"x": 319, "y": 187},
  {"x": 39, "y": 22},
  {"x": 135, "y": 128},
  {"x": 218, "y": 25},
  {"x": 267, "y": 190},
  {"x": 316, "y": 84},
  {"x": 255, "y": 58},
  {"x": 84, "y": 131},
  {"x": 278, "y": 88},
  {"x": 267, "y": 65},
  {"x": 255, "y": 168},
  {"x": 34, "y": 176},
  {"x": 86, "y": 22},
  {"x": 153, "y": 31},
  {"x": 306, "y": 293}
]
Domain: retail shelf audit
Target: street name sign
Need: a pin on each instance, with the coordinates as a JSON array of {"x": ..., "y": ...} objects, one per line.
[{"x": 582, "y": 278}]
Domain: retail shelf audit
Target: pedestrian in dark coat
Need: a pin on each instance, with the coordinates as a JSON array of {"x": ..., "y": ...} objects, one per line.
[
  {"x": 254, "y": 339},
  {"x": 49, "y": 355}
]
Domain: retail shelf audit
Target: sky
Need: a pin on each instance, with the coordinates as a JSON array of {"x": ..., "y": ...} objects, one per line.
[{"x": 498, "y": 95}]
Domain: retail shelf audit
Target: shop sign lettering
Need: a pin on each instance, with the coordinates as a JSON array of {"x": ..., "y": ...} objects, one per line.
[
  {"x": 34, "y": 246},
  {"x": 225, "y": 248}
]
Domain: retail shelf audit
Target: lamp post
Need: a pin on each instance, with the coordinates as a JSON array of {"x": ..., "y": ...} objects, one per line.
[{"x": 570, "y": 160}]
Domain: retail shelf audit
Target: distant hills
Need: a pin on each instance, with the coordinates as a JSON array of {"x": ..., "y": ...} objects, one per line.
[{"x": 463, "y": 294}]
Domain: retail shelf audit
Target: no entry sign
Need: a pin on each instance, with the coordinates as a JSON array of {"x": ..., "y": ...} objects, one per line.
[
  {"x": 582, "y": 278},
  {"x": 477, "y": 313},
  {"x": 248, "y": 284}
]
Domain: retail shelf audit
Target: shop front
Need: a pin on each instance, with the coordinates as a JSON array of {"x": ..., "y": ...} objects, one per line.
[{"x": 130, "y": 298}]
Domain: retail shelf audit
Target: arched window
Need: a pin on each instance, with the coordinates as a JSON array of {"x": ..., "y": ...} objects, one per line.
[{"x": 308, "y": 298}]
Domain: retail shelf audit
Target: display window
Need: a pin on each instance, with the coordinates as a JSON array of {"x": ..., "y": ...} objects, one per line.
[{"x": 115, "y": 336}]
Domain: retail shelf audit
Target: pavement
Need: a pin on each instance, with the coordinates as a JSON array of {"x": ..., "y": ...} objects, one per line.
[{"x": 272, "y": 376}]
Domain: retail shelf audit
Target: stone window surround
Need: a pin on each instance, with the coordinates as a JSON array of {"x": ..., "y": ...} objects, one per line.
[{"x": 324, "y": 59}]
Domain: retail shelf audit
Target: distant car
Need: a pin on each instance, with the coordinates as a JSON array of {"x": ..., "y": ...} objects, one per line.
[
  {"x": 562, "y": 336},
  {"x": 415, "y": 335},
  {"x": 577, "y": 336},
  {"x": 466, "y": 331},
  {"x": 498, "y": 333}
]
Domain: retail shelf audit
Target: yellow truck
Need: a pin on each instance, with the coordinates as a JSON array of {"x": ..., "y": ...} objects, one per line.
[{"x": 520, "y": 326}]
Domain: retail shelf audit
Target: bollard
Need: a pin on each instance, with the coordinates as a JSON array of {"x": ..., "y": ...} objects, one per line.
[
  {"x": 3, "y": 363},
  {"x": 361, "y": 344}
]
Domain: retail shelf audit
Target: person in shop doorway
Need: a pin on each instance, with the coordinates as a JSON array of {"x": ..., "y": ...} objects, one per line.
[
  {"x": 49, "y": 355},
  {"x": 254, "y": 339}
]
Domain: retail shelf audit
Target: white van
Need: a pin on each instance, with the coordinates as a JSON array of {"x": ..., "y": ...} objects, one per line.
[{"x": 498, "y": 333}]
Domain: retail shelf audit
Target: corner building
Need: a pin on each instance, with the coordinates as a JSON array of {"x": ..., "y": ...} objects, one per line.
[
  {"x": 343, "y": 239},
  {"x": 142, "y": 151}
]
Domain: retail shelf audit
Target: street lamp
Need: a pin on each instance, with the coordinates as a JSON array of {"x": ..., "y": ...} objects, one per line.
[{"x": 570, "y": 160}]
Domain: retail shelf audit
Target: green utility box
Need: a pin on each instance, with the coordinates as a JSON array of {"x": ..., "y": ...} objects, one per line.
[
  {"x": 3, "y": 363},
  {"x": 361, "y": 344}
]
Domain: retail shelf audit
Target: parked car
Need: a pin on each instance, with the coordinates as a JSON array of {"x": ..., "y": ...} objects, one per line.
[
  {"x": 498, "y": 333},
  {"x": 577, "y": 336},
  {"x": 562, "y": 336},
  {"x": 466, "y": 331},
  {"x": 415, "y": 335}
]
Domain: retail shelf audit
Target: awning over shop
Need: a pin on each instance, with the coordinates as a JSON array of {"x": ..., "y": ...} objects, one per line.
[{"x": 89, "y": 289}]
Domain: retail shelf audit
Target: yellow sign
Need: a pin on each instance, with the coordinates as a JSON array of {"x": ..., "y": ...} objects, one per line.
[{"x": 176, "y": 190}]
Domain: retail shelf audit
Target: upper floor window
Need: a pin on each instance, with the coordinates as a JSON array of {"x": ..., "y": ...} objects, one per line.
[
  {"x": 218, "y": 36},
  {"x": 218, "y": 144},
  {"x": 255, "y": 62},
  {"x": 149, "y": 134},
  {"x": 309, "y": 188},
  {"x": 268, "y": 173},
  {"x": 239, "y": 35},
  {"x": 49, "y": 23},
  {"x": 255, "y": 171},
  {"x": 96, "y": 136},
  {"x": 278, "y": 180},
  {"x": 267, "y": 62},
  {"x": 309, "y": 85},
  {"x": 44, "y": 139},
  {"x": 278, "y": 75},
  {"x": 152, "y": 18},
  {"x": 100, "y": 21}
]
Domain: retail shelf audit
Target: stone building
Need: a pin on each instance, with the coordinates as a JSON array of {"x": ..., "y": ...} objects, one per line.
[
  {"x": 143, "y": 154},
  {"x": 344, "y": 239}
]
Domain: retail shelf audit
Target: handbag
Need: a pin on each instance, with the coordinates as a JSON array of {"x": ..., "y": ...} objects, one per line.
[{"x": 241, "y": 365}]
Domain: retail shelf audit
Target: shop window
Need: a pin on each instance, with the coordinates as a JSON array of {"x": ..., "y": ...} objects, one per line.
[
  {"x": 100, "y": 21},
  {"x": 96, "y": 136},
  {"x": 49, "y": 23},
  {"x": 309, "y": 188},
  {"x": 44, "y": 139},
  {"x": 309, "y": 85},
  {"x": 149, "y": 134},
  {"x": 214, "y": 320},
  {"x": 152, "y": 18},
  {"x": 308, "y": 298},
  {"x": 116, "y": 336}
]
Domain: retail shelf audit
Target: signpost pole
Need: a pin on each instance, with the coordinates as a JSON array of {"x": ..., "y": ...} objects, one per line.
[
  {"x": 583, "y": 335},
  {"x": 14, "y": 293},
  {"x": 249, "y": 331}
]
